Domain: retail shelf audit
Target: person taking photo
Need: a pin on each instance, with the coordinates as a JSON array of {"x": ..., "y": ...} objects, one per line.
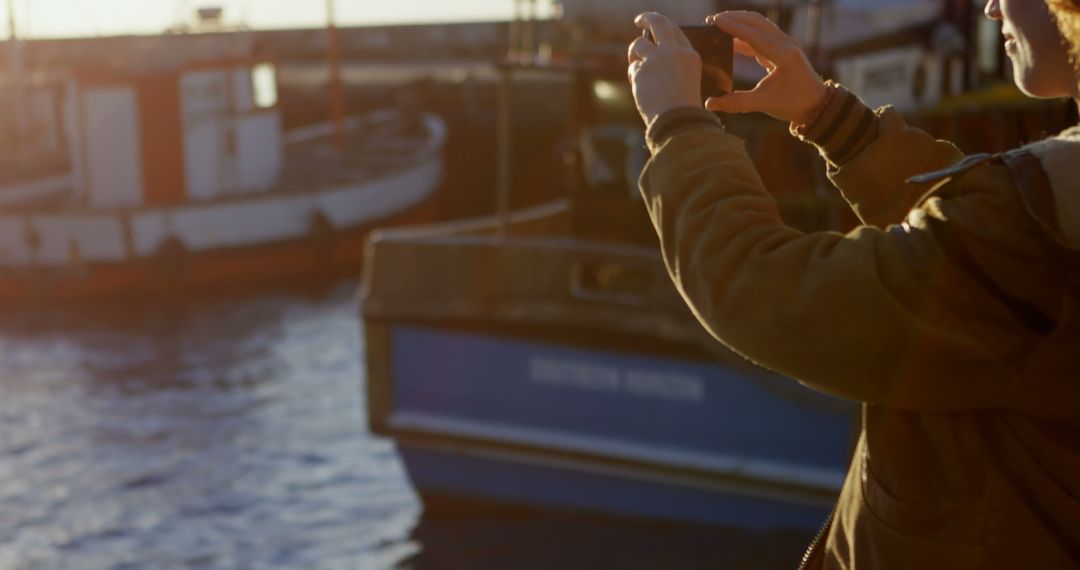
[{"x": 952, "y": 312}]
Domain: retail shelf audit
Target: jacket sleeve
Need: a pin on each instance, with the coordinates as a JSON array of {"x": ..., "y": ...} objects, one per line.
[
  {"x": 872, "y": 154},
  {"x": 867, "y": 316}
]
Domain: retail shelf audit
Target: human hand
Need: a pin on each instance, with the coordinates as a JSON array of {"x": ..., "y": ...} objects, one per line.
[
  {"x": 665, "y": 72},
  {"x": 791, "y": 91}
]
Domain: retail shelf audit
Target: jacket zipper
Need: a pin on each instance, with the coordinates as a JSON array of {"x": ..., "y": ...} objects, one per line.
[{"x": 816, "y": 543}]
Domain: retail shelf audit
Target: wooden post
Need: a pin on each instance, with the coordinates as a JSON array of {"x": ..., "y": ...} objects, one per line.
[
  {"x": 504, "y": 148},
  {"x": 333, "y": 62}
]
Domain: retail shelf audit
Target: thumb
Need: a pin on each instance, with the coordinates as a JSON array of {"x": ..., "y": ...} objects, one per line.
[{"x": 736, "y": 102}]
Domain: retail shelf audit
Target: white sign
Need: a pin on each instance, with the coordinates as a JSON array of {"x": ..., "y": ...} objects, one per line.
[{"x": 890, "y": 77}]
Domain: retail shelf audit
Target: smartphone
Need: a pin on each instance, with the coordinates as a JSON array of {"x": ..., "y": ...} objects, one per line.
[{"x": 717, "y": 51}]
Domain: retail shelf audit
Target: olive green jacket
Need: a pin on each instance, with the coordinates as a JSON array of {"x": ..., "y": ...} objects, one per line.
[{"x": 952, "y": 313}]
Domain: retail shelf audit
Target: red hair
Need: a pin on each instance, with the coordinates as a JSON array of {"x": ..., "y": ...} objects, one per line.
[{"x": 1068, "y": 18}]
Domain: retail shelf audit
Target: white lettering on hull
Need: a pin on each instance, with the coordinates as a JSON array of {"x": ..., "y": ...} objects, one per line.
[{"x": 593, "y": 377}]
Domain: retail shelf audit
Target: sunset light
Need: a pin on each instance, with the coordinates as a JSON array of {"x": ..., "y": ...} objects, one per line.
[
  {"x": 573, "y": 284},
  {"x": 67, "y": 18}
]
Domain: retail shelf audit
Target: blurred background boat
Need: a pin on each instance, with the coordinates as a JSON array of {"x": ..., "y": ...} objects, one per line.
[
  {"x": 554, "y": 372},
  {"x": 170, "y": 172}
]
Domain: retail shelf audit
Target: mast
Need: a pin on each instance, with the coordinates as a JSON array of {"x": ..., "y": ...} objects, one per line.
[
  {"x": 815, "y": 20},
  {"x": 504, "y": 117},
  {"x": 15, "y": 82},
  {"x": 515, "y": 32},
  {"x": 333, "y": 62},
  {"x": 529, "y": 42}
]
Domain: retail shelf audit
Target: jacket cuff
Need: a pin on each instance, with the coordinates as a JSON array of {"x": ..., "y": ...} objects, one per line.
[
  {"x": 844, "y": 129},
  {"x": 678, "y": 121}
]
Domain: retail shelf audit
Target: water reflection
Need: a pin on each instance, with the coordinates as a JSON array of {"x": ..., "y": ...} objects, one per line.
[
  {"x": 232, "y": 434},
  {"x": 217, "y": 435}
]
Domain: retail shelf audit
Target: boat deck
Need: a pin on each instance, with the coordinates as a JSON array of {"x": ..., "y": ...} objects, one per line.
[{"x": 376, "y": 149}]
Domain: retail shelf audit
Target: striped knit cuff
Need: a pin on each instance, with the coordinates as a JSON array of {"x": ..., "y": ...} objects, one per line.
[
  {"x": 844, "y": 129},
  {"x": 678, "y": 121}
]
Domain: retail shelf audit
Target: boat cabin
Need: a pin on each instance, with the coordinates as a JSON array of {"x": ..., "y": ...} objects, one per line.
[
  {"x": 135, "y": 137},
  {"x": 161, "y": 138}
]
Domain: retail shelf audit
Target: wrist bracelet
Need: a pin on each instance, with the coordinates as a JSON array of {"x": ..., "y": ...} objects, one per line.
[{"x": 802, "y": 128}]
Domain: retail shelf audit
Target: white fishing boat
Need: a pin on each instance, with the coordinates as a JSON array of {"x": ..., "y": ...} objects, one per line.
[{"x": 169, "y": 180}]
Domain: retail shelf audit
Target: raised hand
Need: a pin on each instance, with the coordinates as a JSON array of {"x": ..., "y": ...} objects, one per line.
[
  {"x": 665, "y": 72},
  {"x": 791, "y": 90}
]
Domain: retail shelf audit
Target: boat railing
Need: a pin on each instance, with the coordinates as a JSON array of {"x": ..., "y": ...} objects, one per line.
[
  {"x": 326, "y": 129},
  {"x": 551, "y": 218}
]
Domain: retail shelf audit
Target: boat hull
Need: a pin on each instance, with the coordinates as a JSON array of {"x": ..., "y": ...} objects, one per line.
[
  {"x": 206, "y": 272},
  {"x": 518, "y": 417}
]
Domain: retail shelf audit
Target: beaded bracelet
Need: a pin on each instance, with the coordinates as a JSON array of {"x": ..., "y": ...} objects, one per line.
[{"x": 802, "y": 128}]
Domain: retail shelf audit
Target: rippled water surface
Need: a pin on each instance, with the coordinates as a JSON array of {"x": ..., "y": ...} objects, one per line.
[{"x": 232, "y": 434}]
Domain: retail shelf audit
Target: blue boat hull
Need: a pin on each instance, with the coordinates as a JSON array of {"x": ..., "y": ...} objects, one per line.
[{"x": 542, "y": 424}]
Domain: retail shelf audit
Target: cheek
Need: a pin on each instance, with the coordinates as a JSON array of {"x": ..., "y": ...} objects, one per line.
[
  {"x": 1032, "y": 20},
  {"x": 1041, "y": 63},
  {"x": 1056, "y": 76},
  {"x": 1046, "y": 45}
]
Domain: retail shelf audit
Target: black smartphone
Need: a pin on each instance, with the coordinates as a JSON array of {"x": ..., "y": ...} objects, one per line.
[{"x": 717, "y": 51}]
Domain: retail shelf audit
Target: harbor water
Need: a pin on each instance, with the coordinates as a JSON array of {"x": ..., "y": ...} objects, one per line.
[{"x": 231, "y": 433}]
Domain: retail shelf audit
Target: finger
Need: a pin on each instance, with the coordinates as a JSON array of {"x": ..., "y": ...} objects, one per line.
[
  {"x": 737, "y": 102},
  {"x": 764, "y": 24},
  {"x": 663, "y": 30},
  {"x": 756, "y": 20},
  {"x": 770, "y": 46},
  {"x": 635, "y": 67},
  {"x": 743, "y": 48},
  {"x": 747, "y": 17},
  {"x": 639, "y": 49}
]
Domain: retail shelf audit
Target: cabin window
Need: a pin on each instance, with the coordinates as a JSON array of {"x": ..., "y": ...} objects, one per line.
[{"x": 264, "y": 80}]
